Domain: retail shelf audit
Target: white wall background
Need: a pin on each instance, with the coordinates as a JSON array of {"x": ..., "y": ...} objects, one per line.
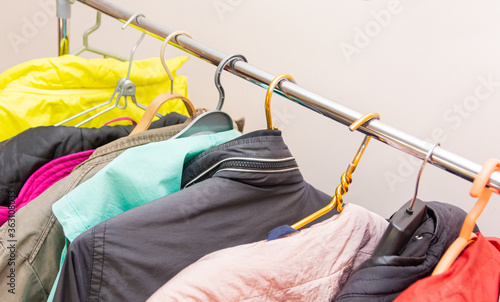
[{"x": 423, "y": 68}]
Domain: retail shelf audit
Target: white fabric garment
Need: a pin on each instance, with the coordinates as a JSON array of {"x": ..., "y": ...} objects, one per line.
[{"x": 309, "y": 265}]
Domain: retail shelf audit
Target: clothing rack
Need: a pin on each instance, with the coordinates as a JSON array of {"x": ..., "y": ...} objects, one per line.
[{"x": 402, "y": 141}]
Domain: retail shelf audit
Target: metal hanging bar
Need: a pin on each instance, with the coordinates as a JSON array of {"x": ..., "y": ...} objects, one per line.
[{"x": 402, "y": 141}]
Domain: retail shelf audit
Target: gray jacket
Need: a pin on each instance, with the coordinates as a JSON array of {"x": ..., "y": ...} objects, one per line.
[{"x": 232, "y": 194}]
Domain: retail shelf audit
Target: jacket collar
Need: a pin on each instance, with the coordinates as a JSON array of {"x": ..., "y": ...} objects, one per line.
[{"x": 259, "y": 152}]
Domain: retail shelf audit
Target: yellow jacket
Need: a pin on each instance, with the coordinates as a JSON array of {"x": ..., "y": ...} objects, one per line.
[{"x": 44, "y": 92}]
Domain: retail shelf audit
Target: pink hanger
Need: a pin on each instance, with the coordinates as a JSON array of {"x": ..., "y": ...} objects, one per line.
[
  {"x": 123, "y": 118},
  {"x": 466, "y": 236}
]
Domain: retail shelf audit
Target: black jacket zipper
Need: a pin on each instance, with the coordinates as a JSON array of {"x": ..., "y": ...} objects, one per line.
[{"x": 246, "y": 164}]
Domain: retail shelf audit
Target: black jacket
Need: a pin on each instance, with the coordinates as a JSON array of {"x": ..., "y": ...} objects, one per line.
[
  {"x": 384, "y": 278},
  {"x": 232, "y": 194},
  {"x": 23, "y": 154}
]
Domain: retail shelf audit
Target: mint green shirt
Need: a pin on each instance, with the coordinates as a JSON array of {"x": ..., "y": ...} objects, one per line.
[{"x": 137, "y": 176}]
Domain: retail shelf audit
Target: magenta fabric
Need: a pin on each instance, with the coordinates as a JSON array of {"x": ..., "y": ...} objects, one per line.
[
  {"x": 123, "y": 118},
  {"x": 42, "y": 179}
]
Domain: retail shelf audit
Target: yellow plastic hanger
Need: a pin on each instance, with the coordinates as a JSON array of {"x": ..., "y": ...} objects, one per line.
[
  {"x": 466, "y": 236},
  {"x": 346, "y": 177},
  {"x": 155, "y": 104}
]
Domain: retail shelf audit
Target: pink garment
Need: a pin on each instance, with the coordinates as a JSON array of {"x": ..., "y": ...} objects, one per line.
[
  {"x": 42, "y": 179},
  {"x": 309, "y": 265},
  {"x": 123, "y": 118}
]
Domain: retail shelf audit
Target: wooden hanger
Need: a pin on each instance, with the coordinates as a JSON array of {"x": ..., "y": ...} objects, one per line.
[
  {"x": 346, "y": 177},
  {"x": 483, "y": 193},
  {"x": 155, "y": 105}
]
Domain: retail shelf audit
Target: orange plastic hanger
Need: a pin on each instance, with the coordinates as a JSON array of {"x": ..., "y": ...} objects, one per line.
[
  {"x": 346, "y": 177},
  {"x": 466, "y": 236},
  {"x": 155, "y": 105}
]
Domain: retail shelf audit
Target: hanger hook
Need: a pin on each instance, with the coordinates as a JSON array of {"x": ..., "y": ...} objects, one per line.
[
  {"x": 231, "y": 60},
  {"x": 483, "y": 177},
  {"x": 133, "y": 17},
  {"x": 355, "y": 125},
  {"x": 91, "y": 29},
  {"x": 365, "y": 118},
  {"x": 275, "y": 82},
  {"x": 345, "y": 179},
  {"x": 427, "y": 158},
  {"x": 162, "y": 54}
]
